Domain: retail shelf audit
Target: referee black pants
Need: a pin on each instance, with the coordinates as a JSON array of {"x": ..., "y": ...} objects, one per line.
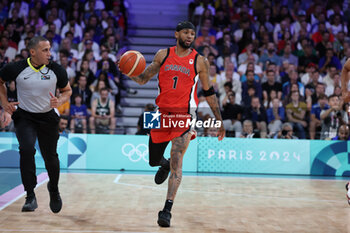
[{"x": 44, "y": 127}]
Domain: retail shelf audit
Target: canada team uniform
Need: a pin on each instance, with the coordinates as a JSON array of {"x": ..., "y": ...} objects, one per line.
[{"x": 177, "y": 81}]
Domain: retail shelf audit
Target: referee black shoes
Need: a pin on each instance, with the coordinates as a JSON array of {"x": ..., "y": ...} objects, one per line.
[
  {"x": 55, "y": 199},
  {"x": 30, "y": 204},
  {"x": 164, "y": 217},
  {"x": 162, "y": 173}
]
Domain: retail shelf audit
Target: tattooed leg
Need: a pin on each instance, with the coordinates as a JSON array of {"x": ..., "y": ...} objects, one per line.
[{"x": 178, "y": 149}]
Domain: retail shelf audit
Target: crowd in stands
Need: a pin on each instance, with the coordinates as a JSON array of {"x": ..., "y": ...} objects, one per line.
[
  {"x": 275, "y": 65},
  {"x": 87, "y": 37}
]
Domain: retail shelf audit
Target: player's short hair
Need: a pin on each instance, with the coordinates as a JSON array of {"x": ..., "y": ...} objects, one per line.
[
  {"x": 33, "y": 43},
  {"x": 185, "y": 25}
]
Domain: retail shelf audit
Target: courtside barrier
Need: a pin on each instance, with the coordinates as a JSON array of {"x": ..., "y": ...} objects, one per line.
[{"x": 204, "y": 154}]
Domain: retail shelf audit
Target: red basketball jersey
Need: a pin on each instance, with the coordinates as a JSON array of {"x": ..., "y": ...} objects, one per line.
[{"x": 177, "y": 82}]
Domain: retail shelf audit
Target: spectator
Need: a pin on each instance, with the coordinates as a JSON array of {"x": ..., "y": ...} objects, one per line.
[
  {"x": 332, "y": 118},
  {"x": 221, "y": 21},
  {"x": 248, "y": 130},
  {"x": 330, "y": 89},
  {"x": 296, "y": 114},
  {"x": 315, "y": 119},
  {"x": 230, "y": 84},
  {"x": 83, "y": 90},
  {"x": 293, "y": 79},
  {"x": 322, "y": 35},
  {"x": 251, "y": 83},
  {"x": 250, "y": 66},
  {"x": 96, "y": 91},
  {"x": 62, "y": 125},
  {"x": 270, "y": 56},
  {"x": 243, "y": 57},
  {"x": 102, "y": 113},
  {"x": 308, "y": 58},
  {"x": 107, "y": 78},
  {"x": 314, "y": 93},
  {"x": 78, "y": 114},
  {"x": 343, "y": 133},
  {"x": 89, "y": 56},
  {"x": 232, "y": 114},
  {"x": 257, "y": 114},
  {"x": 328, "y": 80},
  {"x": 288, "y": 56},
  {"x": 70, "y": 72},
  {"x": 74, "y": 26},
  {"x": 225, "y": 46},
  {"x": 275, "y": 117},
  {"x": 270, "y": 85},
  {"x": 311, "y": 71},
  {"x": 243, "y": 67},
  {"x": 205, "y": 38},
  {"x": 66, "y": 44},
  {"x": 329, "y": 59},
  {"x": 9, "y": 52},
  {"x": 140, "y": 129},
  {"x": 85, "y": 71},
  {"x": 337, "y": 25},
  {"x": 286, "y": 132}
]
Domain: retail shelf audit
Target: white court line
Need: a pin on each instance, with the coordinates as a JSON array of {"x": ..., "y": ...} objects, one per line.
[
  {"x": 116, "y": 180},
  {"x": 21, "y": 195},
  {"x": 78, "y": 231},
  {"x": 255, "y": 196}
]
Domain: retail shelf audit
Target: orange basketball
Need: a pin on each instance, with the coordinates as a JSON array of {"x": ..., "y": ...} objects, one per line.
[{"x": 132, "y": 63}]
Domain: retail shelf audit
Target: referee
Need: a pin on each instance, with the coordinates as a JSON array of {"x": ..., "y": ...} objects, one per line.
[{"x": 36, "y": 78}]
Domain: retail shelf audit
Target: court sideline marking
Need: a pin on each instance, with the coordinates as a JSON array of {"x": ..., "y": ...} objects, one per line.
[{"x": 16, "y": 193}]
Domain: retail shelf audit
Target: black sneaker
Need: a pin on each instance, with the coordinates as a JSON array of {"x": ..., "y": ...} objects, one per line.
[
  {"x": 55, "y": 200},
  {"x": 162, "y": 173},
  {"x": 164, "y": 217},
  {"x": 30, "y": 204}
]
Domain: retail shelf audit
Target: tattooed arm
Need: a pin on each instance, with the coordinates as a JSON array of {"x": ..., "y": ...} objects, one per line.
[
  {"x": 152, "y": 69},
  {"x": 203, "y": 71}
]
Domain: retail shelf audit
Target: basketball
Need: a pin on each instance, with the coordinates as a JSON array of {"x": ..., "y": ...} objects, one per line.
[{"x": 132, "y": 63}]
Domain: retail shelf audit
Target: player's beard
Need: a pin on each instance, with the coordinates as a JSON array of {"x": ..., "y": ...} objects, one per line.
[{"x": 183, "y": 45}]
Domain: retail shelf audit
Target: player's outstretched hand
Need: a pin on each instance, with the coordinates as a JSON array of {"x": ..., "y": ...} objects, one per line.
[{"x": 221, "y": 132}]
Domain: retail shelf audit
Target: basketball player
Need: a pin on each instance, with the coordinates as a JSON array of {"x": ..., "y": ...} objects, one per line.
[
  {"x": 37, "y": 78},
  {"x": 346, "y": 98},
  {"x": 179, "y": 68}
]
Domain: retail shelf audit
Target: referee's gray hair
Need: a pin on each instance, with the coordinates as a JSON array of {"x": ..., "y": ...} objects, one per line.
[{"x": 35, "y": 41}]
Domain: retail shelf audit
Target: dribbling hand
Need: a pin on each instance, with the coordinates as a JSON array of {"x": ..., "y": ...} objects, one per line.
[
  {"x": 54, "y": 101},
  {"x": 221, "y": 132}
]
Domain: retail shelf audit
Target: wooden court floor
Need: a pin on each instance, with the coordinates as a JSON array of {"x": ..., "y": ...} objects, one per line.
[{"x": 130, "y": 203}]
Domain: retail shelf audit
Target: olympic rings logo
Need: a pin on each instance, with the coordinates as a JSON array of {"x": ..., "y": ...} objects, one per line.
[{"x": 137, "y": 153}]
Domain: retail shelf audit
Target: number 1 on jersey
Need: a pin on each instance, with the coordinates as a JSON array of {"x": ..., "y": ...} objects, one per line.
[{"x": 175, "y": 82}]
